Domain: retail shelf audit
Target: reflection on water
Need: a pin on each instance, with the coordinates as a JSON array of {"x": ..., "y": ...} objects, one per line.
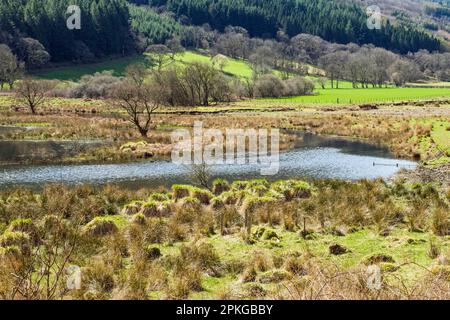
[
  {"x": 315, "y": 157},
  {"x": 9, "y": 129},
  {"x": 40, "y": 151},
  {"x": 351, "y": 146}
]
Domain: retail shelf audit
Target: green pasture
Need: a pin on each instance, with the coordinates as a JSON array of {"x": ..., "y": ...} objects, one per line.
[
  {"x": 75, "y": 72},
  {"x": 345, "y": 95},
  {"x": 233, "y": 67}
]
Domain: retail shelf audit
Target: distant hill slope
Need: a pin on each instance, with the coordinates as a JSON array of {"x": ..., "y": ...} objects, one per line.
[
  {"x": 233, "y": 67},
  {"x": 339, "y": 21},
  {"x": 433, "y": 15}
]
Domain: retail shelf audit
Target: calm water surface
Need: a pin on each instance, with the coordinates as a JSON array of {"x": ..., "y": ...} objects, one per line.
[{"x": 314, "y": 156}]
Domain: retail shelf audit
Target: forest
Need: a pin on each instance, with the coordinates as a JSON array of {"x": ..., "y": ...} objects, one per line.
[
  {"x": 36, "y": 30},
  {"x": 335, "y": 21}
]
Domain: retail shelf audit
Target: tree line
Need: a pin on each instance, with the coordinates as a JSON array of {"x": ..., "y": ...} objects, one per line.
[
  {"x": 336, "y": 21},
  {"x": 368, "y": 65},
  {"x": 142, "y": 90},
  {"x": 36, "y": 30},
  {"x": 362, "y": 65}
]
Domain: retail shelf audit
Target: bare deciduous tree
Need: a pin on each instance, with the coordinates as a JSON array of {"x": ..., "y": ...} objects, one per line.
[
  {"x": 202, "y": 76},
  {"x": 175, "y": 47},
  {"x": 33, "y": 92},
  {"x": 139, "y": 103},
  {"x": 10, "y": 68},
  {"x": 200, "y": 174},
  {"x": 137, "y": 72},
  {"x": 333, "y": 64},
  {"x": 34, "y": 266},
  {"x": 159, "y": 55}
]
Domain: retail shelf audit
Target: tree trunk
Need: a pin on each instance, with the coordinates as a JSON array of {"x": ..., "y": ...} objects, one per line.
[{"x": 143, "y": 132}]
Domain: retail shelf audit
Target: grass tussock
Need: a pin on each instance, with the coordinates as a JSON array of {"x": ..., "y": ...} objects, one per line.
[{"x": 263, "y": 239}]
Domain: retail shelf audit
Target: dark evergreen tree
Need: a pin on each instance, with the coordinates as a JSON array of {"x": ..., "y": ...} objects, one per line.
[{"x": 335, "y": 21}]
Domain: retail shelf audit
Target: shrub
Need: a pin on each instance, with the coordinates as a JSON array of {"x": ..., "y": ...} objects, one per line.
[
  {"x": 16, "y": 239},
  {"x": 295, "y": 266},
  {"x": 132, "y": 208},
  {"x": 292, "y": 189},
  {"x": 434, "y": 250},
  {"x": 164, "y": 208},
  {"x": 101, "y": 226},
  {"x": 229, "y": 198},
  {"x": 219, "y": 186},
  {"x": 261, "y": 261},
  {"x": 150, "y": 209},
  {"x": 298, "y": 86},
  {"x": 160, "y": 196},
  {"x": 180, "y": 191},
  {"x": 139, "y": 218},
  {"x": 217, "y": 203},
  {"x": 270, "y": 234},
  {"x": 440, "y": 221},
  {"x": 156, "y": 230},
  {"x": 98, "y": 277},
  {"x": 379, "y": 258},
  {"x": 153, "y": 253},
  {"x": 98, "y": 85},
  {"x": 239, "y": 185},
  {"x": 26, "y": 226},
  {"x": 191, "y": 203},
  {"x": 269, "y": 86},
  {"x": 273, "y": 276},
  {"x": 181, "y": 285},
  {"x": 202, "y": 254},
  {"x": 204, "y": 196},
  {"x": 255, "y": 290},
  {"x": 442, "y": 271},
  {"x": 249, "y": 274}
]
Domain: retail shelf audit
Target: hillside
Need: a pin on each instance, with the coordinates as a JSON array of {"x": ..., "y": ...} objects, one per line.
[
  {"x": 241, "y": 69},
  {"x": 104, "y": 30},
  {"x": 432, "y": 15},
  {"x": 114, "y": 28},
  {"x": 336, "y": 21}
]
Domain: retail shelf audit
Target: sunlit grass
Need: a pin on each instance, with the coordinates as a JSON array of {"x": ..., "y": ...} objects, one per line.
[
  {"x": 351, "y": 96},
  {"x": 75, "y": 72}
]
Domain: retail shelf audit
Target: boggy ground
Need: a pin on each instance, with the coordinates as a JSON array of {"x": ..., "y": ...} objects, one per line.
[
  {"x": 419, "y": 130},
  {"x": 286, "y": 240},
  {"x": 248, "y": 239}
]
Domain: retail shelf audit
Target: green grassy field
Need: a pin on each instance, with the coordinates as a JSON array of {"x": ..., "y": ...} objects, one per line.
[
  {"x": 241, "y": 69},
  {"x": 234, "y": 67},
  {"x": 438, "y": 142},
  {"x": 345, "y": 95},
  {"x": 431, "y": 84},
  {"x": 74, "y": 73}
]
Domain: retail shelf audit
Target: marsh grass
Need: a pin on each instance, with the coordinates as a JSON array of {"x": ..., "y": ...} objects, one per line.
[{"x": 200, "y": 250}]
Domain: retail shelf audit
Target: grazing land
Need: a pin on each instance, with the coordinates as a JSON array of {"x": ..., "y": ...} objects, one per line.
[{"x": 345, "y": 95}]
